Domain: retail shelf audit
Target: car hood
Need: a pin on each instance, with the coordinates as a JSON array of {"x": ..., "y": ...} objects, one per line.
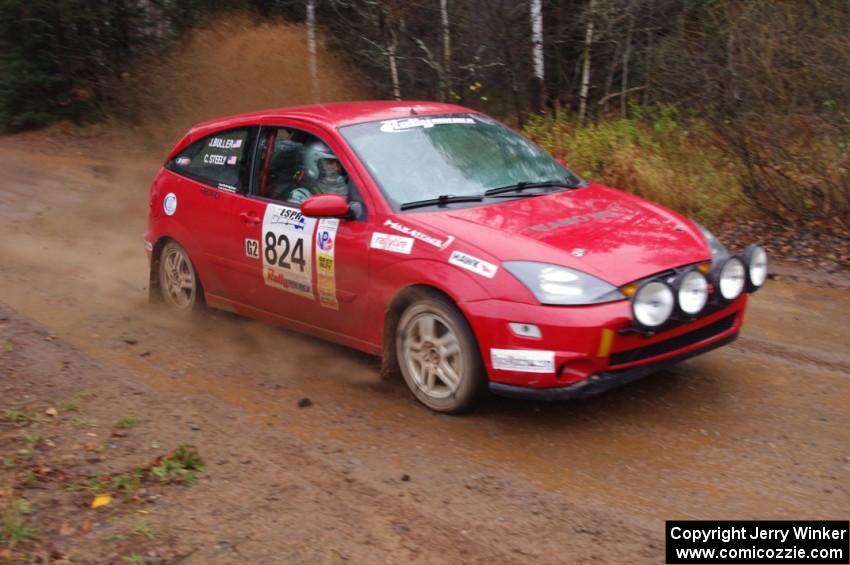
[{"x": 610, "y": 234}]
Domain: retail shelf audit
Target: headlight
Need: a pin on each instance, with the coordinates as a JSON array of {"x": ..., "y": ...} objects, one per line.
[
  {"x": 756, "y": 259},
  {"x": 652, "y": 304},
  {"x": 718, "y": 250},
  {"x": 552, "y": 284},
  {"x": 729, "y": 277},
  {"x": 691, "y": 292}
]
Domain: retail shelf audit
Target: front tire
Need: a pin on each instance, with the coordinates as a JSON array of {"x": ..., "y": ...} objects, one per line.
[
  {"x": 178, "y": 281},
  {"x": 438, "y": 356}
]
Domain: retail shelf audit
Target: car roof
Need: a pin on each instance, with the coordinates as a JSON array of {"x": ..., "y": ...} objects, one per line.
[
  {"x": 332, "y": 115},
  {"x": 337, "y": 114}
]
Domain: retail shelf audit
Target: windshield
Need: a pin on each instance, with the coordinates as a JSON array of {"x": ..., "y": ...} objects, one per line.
[{"x": 420, "y": 158}]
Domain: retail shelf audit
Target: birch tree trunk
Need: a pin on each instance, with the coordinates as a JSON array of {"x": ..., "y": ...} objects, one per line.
[
  {"x": 311, "y": 48},
  {"x": 447, "y": 50},
  {"x": 539, "y": 84},
  {"x": 392, "y": 47},
  {"x": 624, "y": 83},
  {"x": 585, "y": 66}
]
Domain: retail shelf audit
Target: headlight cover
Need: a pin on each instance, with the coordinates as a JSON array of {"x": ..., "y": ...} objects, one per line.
[
  {"x": 557, "y": 285},
  {"x": 718, "y": 250},
  {"x": 691, "y": 292},
  {"x": 652, "y": 304},
  {"x": 756, "y": 259},
  {"x": 729, "y": 278}
]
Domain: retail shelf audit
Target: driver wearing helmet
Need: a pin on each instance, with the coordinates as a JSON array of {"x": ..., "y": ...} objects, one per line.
[{"x": 321, "y": 174}]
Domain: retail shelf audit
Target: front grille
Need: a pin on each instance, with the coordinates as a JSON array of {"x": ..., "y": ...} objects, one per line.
[{"x": 684, "y": 340}]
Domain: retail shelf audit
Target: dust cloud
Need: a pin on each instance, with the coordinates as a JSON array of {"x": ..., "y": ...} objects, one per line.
[
  {"x": 75, "y": 201},
  {"x": 231, "y": 66}
]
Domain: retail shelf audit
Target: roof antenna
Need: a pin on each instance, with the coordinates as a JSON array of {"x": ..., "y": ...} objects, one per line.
[{"x": 413, "y": 111}]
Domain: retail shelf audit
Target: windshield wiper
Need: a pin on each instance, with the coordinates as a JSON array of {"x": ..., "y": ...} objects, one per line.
[
  {"x": 441, "y": 200},
  {"x": 521, "y": 186}
]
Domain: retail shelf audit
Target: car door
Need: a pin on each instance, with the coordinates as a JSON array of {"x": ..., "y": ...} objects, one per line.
[
  {"x": 215, "y": 171},
  {"x": 315, "y": 271}
]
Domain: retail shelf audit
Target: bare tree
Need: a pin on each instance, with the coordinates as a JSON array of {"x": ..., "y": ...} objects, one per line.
[
  {"x": 585, "y": 66},
  {"x": 311, "y": 48},
  {"x": 539, "y": 80}
]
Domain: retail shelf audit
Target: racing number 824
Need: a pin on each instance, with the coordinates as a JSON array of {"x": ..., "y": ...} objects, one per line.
[{"x": 273, "y": 241}]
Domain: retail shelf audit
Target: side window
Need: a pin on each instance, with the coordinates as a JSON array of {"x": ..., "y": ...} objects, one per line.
[
  {"x": 216, "y": 159},
  {"x": 294, "y": 165}
]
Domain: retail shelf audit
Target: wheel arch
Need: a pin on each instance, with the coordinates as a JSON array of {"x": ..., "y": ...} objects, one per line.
[
  {"x": 154, "y": 294},
  {"x": 403, "y": 298}
]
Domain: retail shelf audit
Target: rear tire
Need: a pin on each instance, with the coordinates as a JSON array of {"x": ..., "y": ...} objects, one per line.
[
  {"x": 438, "y": 356},
  {"x": 178, "y": 281}
]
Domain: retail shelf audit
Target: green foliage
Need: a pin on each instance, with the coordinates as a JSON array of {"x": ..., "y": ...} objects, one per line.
[
  {"x": 181, "y": 466},
  {"x": 21, "y": 417},
  {"x": 656, "y": 155},
  {"x": 128, "y": 422},
  {"x": 13, "y": 529},
  {"x": 143, "y": 529}
]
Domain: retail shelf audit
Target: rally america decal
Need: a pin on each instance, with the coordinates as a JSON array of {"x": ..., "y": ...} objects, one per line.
[
  {"x": 325, "y": 273},
  {"x": 288, "y": 250},
  {"x": 431, "y": 240},
  {"x": 394, "y": 243},
  {"x": 474, "y": 264}
]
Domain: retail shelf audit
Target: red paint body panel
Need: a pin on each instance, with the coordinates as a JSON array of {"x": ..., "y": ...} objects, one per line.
[{"x": 622, "y": 238}]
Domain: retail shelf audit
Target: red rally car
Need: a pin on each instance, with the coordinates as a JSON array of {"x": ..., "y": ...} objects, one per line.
[{"x": 432, "y": 235}]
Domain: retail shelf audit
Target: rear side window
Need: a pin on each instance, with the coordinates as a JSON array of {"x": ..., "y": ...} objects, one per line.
[{"x": 217, "y": 159}]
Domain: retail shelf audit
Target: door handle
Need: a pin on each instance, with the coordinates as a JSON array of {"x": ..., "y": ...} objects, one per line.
[{"x": 249, "y": 218}]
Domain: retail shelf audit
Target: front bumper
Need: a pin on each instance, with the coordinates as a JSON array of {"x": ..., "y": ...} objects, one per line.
[
  {"x": 599, "y": 383},
  {"x": 587, "y": 347}
]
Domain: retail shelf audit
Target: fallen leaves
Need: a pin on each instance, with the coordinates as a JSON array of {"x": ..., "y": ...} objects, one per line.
[{"x": 103, "y": 499}]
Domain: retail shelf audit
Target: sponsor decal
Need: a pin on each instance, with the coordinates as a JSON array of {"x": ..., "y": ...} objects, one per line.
[
  {"x": 579, "y": 252},
  {"x": 431, "y": 240},
  {"x": 325, "y": 271},
  {"x": 232, "y": 160},
  {"x": 392, "y": 126},
  {"x": 252, "y": 248},
  {"x": 183, "y": 161},
  {"x": 394, "y": 243},
  {"x": 523, "y": 360},
  {"x": 148, "y": 245},
  {"x": 169, "y": 204},
  {"x": 287, "y": 250},
  {"x": 222, "y": 143},
  {"x": 291, "y": 217},
  {"x": 474, "y": 264},
  {"x": 210, "y": 159},
  {"x": 227, "y": 187},
  {"x": 613, "y": 211}
]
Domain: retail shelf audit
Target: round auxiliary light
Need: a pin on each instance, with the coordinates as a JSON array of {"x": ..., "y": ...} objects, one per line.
[
  {"x": 729, "y": 278},
  {"x": 653, "y": 304},
  {"x": 756, "y": 259},
  {"x": 691, "y": 292}
]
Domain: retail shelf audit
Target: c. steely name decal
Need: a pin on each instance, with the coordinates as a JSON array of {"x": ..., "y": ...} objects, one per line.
[
  {"x": 474, "y": 264},
  {"x": 431, "y": 240},
  {"x": 394, "y": 243}
]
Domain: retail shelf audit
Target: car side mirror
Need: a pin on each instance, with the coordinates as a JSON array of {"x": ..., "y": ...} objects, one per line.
[{"x": 325, "y": 206}]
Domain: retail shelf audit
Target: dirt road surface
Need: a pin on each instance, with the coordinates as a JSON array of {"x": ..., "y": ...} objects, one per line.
[{"x": 361, "y": 473}]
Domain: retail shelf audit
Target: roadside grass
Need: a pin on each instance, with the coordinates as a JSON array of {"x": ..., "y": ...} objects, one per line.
[
  {"x": 21, "y": 417},
  {"x": 143, "y": 529},
  {"x": 85, "y": 422},
  {"x": 141, "y": 559},
  {"x": 183, "y": 465},
  {"x": 13, "y": 528},
  {"x": 657, "y": 155},
  {"x": 127, "y": 423}
]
